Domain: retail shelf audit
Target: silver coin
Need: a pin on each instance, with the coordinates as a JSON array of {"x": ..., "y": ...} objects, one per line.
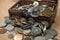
[
  {"x": 36, "y": 30},
  {"x": 42, "y": 8},
  {"x": 18, "y": 23},
  {"x": 30, "y": 10},
  {"x": 20, "y": 30},
  {"x": 52, "y": 32},
  {"x": 35, "y": 14},
  {"x": 8, "y": 32},
  {"x": 7, "y": 19},
  {"x": 50, "y": 39},
  {"x": 39, "y": 38},
  {"x": 26, "y": 32},
  {"x": 27, "y": 38},
  {"x": 45, "y": 23},
  {"x": 48, "y": 36},
  {"x": 9, "y": 27},
  {"x": 2, "y": 24}
]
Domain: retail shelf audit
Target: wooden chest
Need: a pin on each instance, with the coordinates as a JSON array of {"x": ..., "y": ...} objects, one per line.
[{"x": 51, "y": 3}]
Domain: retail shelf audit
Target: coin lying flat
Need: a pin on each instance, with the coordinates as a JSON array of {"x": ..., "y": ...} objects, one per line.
[
  {"x": 2, "y": 24},
  {"x": 39, "y": 38},
  {"x": 10, "y": 34},
  {"x": 26, "y": 32},
  {"x": 18, "y": 37},
  {"x": 30, "y": 9},
  {"x": 7, "y": 20},
  {"x": 52, "y": 32},
  {"x": 2, "y": 30},
  {"x": 36, "y": 30},
  {"x": 9, "y": 27},
  {"x": 27, "y": 38},
  {"x": 20, "y": 30},
  {"x": 45, "y": 23},
  {"x": 52, "y": 39}
]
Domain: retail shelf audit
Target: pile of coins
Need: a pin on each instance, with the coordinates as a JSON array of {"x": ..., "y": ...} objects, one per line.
[
  {"x": 29, "y": 27},
  {"x": 35, "y": 10}
]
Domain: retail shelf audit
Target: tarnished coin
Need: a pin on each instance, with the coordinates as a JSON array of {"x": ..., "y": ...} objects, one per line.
[
  {"x": 7, "y": 20},
  {"x": 39, "y": 38},
  {"x": 45, "y": 23},
  {"x": 2, "y": 30},
  {"x": 13, "y": 22},
  {"x": 27, "y": 38},
  {"x": 23, "y": 20},
  {"x": 35, "y": 13},
  {"x": 50, "y": 39},
  {"x": 53, "y": 39},
  {"x": 36, "y": 30},
  {"x": 48, "y": 36},
  {"x": 18, "y": 23},
  {"x": 10, "y": 34},
  {"x": 52, "y": 32},
  {"x": 31, "y": 19},
  {"x": 47, "y": 12},
  {"x": 20, "y": 30},
  {"x": 25, "y": 25},
  {"x": 26, "y": 32},
  {"x": 9, "y": 27},
  {"x": 18, "y": 37},
  {"x": 35, "y": 4},
  {"x": 42, "y": 8},
  {"x": 2, "y": 24},
  {"x": 30, "y": 10}
]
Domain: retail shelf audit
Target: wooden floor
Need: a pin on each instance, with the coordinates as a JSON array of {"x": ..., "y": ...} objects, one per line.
[{"x": 6, "y": 4}]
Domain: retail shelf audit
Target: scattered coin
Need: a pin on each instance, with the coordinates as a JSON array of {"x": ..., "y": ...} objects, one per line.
[
  {"x": 27, "y": 38},
  {"x": 26, "y": 32},
  {"x": 52, "y": 32},
  {"x": 36, "y": 30},
  {"x": 20, "y": 30},
  {"x": 2, "y": 24},
  {"x": 10, "y": 34},
  {"x": 2, "y": 30},
  {"x": 39, "y": 38},
  {"x": 9, "y": 27},
  {"x": 7, "y": 20}
]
